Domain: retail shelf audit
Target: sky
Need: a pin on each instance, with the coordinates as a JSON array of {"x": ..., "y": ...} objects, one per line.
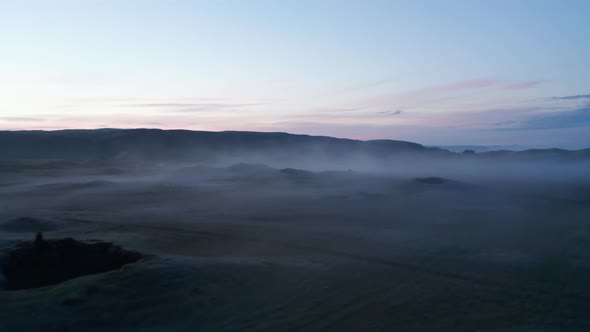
[{"x": 503, "y": 72}]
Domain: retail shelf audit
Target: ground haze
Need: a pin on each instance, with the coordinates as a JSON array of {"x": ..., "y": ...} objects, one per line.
[{"x": 276, "y": 232}]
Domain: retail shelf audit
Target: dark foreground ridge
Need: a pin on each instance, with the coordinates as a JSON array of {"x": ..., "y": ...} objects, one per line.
[{"x": 48, "y": 262}]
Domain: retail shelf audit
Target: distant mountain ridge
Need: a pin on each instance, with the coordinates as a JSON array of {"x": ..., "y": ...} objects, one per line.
[
  {"x": 157, "y": 144},
  {"x": 480, "y": 148}
]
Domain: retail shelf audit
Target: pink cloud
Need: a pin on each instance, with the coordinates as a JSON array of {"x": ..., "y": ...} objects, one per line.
[
  {"x": 463, "y": 85},
  {"x": 520, "y": 85}
]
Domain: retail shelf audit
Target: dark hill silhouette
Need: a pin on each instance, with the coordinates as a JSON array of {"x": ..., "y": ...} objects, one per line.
[
  {"x": 164, "y": 144},
  {"x": 156, "y": 144}
]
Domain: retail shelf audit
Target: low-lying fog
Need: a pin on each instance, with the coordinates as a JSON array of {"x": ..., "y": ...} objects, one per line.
[{"x": 464, "y": 244}]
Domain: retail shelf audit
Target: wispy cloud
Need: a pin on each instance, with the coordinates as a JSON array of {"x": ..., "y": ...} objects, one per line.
[
  {"x": 396, "y": 112},
  {"x": 463, "y": 85},
  {"x": 212, "y": 107},
  {"x": 20, "y": 119},
  {"x": 568, "y": 119},
  {"x": 165, "y": 105},
  {"x": 192, "y": 107},
  {"x": 358, "y": 87},
  {"x": 576, "y": 118},
  {"x": 462, "y": 94},
  {"x": 574, "y": 97},
  {"x": 483, "y": 84},
  {"x": 520, "y": 85}
]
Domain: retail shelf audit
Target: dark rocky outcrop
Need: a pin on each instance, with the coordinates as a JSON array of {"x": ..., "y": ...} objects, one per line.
[
  {"x": 432, "y": 180},
  {"x": 47, "y": 262}
]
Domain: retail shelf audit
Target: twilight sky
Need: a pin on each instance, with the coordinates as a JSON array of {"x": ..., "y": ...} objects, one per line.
[{"x": 434, "y": 72}]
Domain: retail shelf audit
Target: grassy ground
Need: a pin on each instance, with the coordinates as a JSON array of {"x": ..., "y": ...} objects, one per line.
[{"x": 264, "y": 253}]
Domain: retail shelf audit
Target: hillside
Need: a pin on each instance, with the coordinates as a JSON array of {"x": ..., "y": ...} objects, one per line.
[{"x": 186, "y": 145}]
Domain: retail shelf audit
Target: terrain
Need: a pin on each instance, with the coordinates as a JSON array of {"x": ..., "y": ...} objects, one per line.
[{"x": 279, "y": 232}]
